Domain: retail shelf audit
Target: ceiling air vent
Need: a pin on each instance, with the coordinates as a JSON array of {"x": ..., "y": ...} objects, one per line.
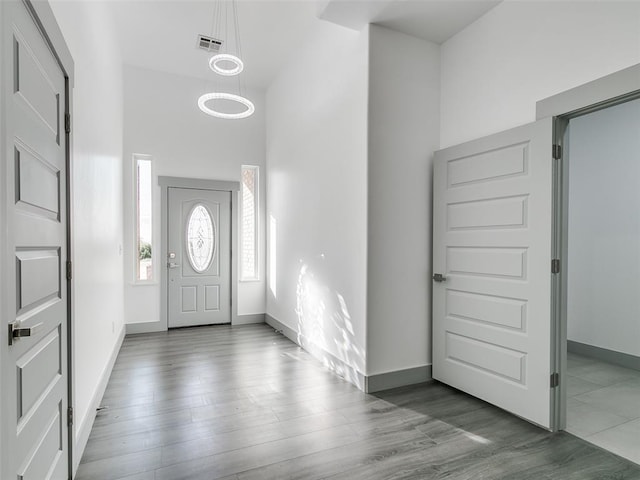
[{"x": 209, "y": 44}]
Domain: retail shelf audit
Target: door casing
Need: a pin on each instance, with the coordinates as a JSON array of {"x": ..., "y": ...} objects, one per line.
[
  {"x": 201, "y": 184},
  {"x": 605, "y": 92}
]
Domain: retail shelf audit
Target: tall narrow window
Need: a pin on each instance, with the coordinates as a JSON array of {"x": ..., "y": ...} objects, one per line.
[
  {"x": 143, "y": 182},
  {"x": 249, "y": 223}
]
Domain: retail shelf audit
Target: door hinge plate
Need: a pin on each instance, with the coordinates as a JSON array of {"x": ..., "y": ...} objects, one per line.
[
  {"x": 70, "y": 416},
  {"x": 554, "y": 380},
  {"x": 555, "y": 265},
  {"x": 557, "y": 152},
  {"x": 67, "y": 123},
  {"x": 69, "y": 270}
]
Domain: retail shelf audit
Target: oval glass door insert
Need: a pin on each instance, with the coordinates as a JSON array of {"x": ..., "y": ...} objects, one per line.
[{"x": 201, "y": 234}]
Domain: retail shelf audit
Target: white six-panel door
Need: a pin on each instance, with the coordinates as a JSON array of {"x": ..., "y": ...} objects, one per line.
[
  {"x": 34, "y": 368},
  {"x": 492, "y": 238}
]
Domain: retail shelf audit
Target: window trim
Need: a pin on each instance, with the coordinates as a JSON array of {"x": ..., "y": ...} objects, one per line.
[
  {"x": 256, "y": 208},
  {"x": 154, "y": 277}
]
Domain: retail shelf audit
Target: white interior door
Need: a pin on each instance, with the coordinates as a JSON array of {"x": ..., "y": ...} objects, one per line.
[
  {"x": 199, "y": 251},
  {"x": 492, "y": 232},
  {"x": 34, "y": 367}
]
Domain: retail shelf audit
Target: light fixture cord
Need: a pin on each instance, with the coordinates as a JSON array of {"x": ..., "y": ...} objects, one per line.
[
  {"x": 238, "y": 44},
  {"x": 213, "y": 33}
]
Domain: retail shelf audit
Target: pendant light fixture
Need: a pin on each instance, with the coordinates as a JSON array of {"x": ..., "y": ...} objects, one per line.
[{"x": 227, "y": 62}]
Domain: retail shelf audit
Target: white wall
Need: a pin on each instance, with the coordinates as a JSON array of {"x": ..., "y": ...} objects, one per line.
[
  {"x": 604, "y": 229},
  {"x": 317, "y": 194},
  {"x": 162, "y": 119},
  {"x": 97, "y": 201},
  {"x": 495, "y": 70},
  {"x": 404, "y": 101}
]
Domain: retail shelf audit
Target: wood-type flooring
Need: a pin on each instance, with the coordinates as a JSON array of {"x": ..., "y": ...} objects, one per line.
[{"x": 244, "y": 403}]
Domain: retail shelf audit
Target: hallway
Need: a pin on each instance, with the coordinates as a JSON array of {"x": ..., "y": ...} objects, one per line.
[{"x": 246, "y": 403}]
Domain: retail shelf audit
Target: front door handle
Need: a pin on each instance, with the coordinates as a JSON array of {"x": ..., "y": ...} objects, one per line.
[
  {"x": 172, "y": 265},
  {"x": 438, "y": 277},
  {"x": 16, "y": 332}
]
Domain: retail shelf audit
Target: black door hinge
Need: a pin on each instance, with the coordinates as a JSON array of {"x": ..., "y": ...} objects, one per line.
[
  {"x": 70, "y": 416},
  {"x": 555, "y": 265},
  {"x": 67, "y": 122},
  {"x": 555, "y": 380},
  {"x": 69, "y": 270},
  {"x": 557, "y": 152}
]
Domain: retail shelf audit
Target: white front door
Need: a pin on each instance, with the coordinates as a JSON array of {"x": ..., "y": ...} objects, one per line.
[
  {"x": 492, "y": 237},
  {"x": 34, "y": 347},
  {"x": 199, "y": 251}
]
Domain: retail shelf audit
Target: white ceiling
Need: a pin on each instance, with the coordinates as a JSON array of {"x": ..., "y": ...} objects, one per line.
[
  {"x": 161, "y": 34},
  {"x": 432, "y": 20}
]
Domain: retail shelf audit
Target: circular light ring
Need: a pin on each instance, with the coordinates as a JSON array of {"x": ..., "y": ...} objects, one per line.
[
  {"x": 225, "y": 96},
  {"x": 214, "y": 64}
]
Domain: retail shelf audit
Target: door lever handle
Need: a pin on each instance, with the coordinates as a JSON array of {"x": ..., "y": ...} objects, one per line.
[
  {"x": 16, "y": 332},
  {"x": 438, "y": 277},
  {"x": 172, "y": 265}
]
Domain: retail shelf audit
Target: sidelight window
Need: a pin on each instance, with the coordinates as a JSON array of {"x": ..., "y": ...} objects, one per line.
[
  {"x": 144, "y": 228},
  {"x": 249, "y": 223}
]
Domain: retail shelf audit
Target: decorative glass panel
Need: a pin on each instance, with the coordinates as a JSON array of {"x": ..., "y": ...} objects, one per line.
[
  {"x": 249, "y": 224},
  {"x": 200, "y": 238},
  {"x": 144, "y": 227}
]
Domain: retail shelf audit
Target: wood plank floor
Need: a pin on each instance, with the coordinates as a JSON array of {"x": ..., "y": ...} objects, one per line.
[{"x": 246, "y": 403}]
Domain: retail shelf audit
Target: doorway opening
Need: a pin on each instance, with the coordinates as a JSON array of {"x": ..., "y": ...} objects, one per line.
[{"x": 601, "y": 174}]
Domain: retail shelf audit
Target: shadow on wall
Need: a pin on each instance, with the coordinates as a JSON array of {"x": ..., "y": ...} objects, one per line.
[
  {"x": 325, "y": 328},
  {"x": 273, "y": 261}
]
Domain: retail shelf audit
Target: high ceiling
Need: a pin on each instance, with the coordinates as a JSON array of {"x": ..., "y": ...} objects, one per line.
[
  {"x": 432, "y": 20},
  {"x": 161, "y": 34}
]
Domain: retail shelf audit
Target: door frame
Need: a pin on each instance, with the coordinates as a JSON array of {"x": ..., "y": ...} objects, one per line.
[
  {"x": 605, "y": 92},
  {"x": 200, "y": 184},
  {"x": 45, "y": 20}
]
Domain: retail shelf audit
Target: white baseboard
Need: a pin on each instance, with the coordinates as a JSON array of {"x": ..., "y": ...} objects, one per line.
[
  {"x": 84, "y": 429},
  {"x": 152, "y": 327},
  {"x": 145, "y": 327},
  {"x": 249, "y": 319},
  {"x": 398, "y": 378},
  {"x": 334, "y": 364},
  {"x": 366, "y": 383}
]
